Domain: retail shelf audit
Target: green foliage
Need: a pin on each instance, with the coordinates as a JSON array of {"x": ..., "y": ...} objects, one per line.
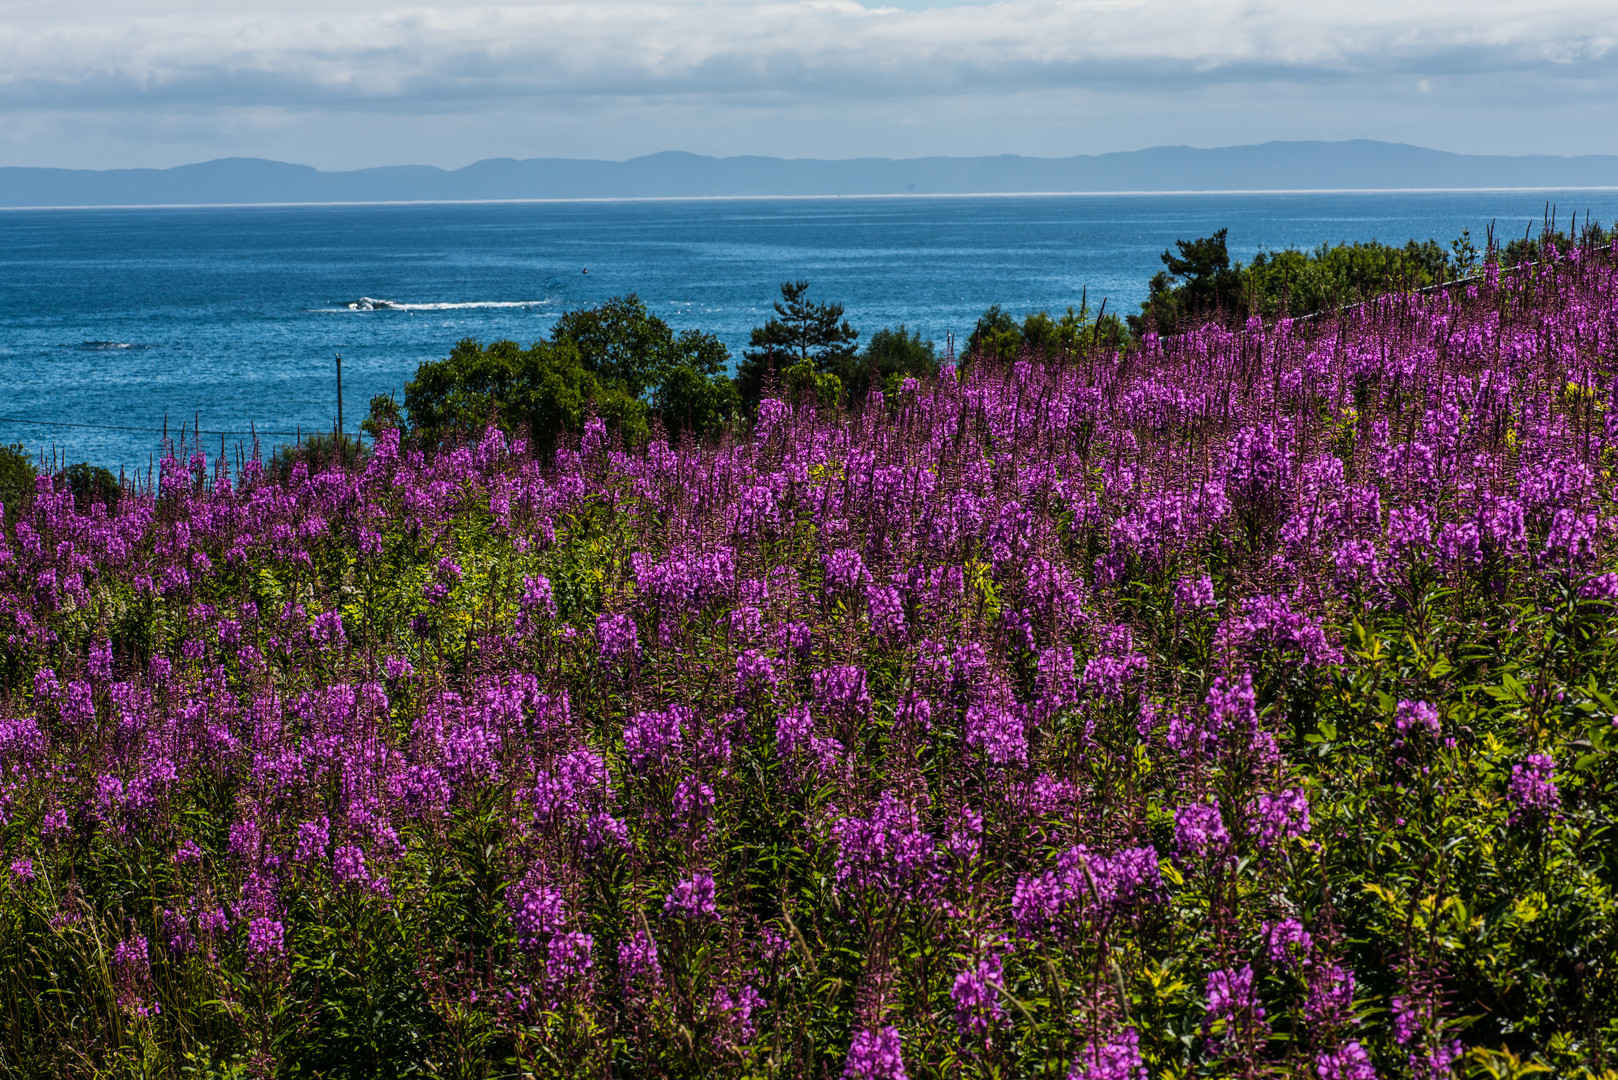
[
  {"x": 600, "y": 361},
  {"x": 689, "y": 400},
  {"x": 892, "y": 355},
  {"x": 803, "y": 381},
  {"x": 385, "y": 415},
  {"x": 624, "y": 344},
  {"x": 1202, "y": 282},
  {"x": 536, "y": 393},
  {"x": 1415, "y": 862},
  {"x": 91, "y": 484},
  {"x": 1199, "y": 282},
  {"x": 995, "y": 339},
  {"x": 315, "y": 452},
  {"x": 1531, "y": 248},
  {"x": 1300, "y": 283},
  {"x": 1465, "y": 252},
  {"x": 17, "y": 476},
  {"x": 802, "y": 331},
  {"x": 998, "y": 339}
]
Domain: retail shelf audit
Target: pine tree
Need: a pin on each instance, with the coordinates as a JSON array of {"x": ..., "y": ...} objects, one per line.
[{"x": 802, "y": 333}]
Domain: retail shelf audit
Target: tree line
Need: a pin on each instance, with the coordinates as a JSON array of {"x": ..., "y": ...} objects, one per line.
[{"x": 622, "y": 363}]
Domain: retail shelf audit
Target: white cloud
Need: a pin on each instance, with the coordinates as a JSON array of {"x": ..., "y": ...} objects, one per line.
[
  {"x": 145, "y": 59},
  {"x": 377, "y": 52}
]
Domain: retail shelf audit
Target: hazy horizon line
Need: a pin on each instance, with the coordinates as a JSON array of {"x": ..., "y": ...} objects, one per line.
[
  {"x": 858, "y": 158},
  {"x": 782, "y": 198}
]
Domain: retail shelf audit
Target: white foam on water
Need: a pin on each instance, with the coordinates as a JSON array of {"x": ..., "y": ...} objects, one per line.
[{"x": 367, "y": 303}]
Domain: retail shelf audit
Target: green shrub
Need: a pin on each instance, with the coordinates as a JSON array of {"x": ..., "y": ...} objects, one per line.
[{"x": 17, "y": 476}]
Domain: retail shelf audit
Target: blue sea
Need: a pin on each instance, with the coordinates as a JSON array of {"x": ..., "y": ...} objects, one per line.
[{"x": 227, "y": 318}]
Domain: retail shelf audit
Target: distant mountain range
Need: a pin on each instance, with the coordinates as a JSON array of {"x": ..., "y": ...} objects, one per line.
[{"x": 1274, "y": 166}]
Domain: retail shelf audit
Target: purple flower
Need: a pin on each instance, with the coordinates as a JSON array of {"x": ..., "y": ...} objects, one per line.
[
  {"x": 735, "y": 1010},
  {"x": 654, "y": 739},
  {"x": 266, "y": 943},
  {"x": 638, "y": 965},
  {"x": 886, "y": 611},
  {"x": 1228, "y": 724},
  {"x": 1347, "y": 1062},
  {"x": 537, "y": 911},
  {"x": 693, "y": 800},
  {"x": 1199, "y": 832},
  {"x": 181, "y": 941},
  {"x": 348, "y": 865},
  {"x": 1287, "y": 943},
  {"x": 132, "y": 970},
  {"x": 875, "y": 1055},
  {"x": 1600, "y": 587},
  {"x": 842, "y": 690},
  {"x": 1113, "y": 671},
  {"x": 965, "y": 835},
  {"x": 313, "y": 839},
  {"x": 1410, "y": 532},
  {"x": 1408, "y": 1019},
  {"x": 617, "y": 639},
  {"x": 1117, "y": 1058},
  {"x": 1255, "y": 467},
  {"x": 1231, "y": 999},
  {"x": 684, "y": 582},
  {"x": 1282, "y": 816},
  {"x": 1416, "y": 716},
  {"x": 996, "y": 729},
  {"x": 1532, "y": 792},
  {"x": 976, "y": 995},
  {"x": 1418, "y": 1028},
  {"x": 569, "y": 958},
  {"x": 133, "y": 956},
  {"x": 754, "y": 671},
  {"x": 1194, "y": 594},
  {"x": 888, "y": 850},
  {"x": 693, "y": 898},
  {"x": 1270, "y": 623},
  {"x": 845, "y": 570},
  {"x": 23, "y": 870},
  {"x": 793, "y": 729},
  {"x": 1330, "y": 1002},
  {"x": 327, "y": 630},
  {"x": 538, "y": 602},
  {"x": 602, "y": 831},
  {"x": 1085, "y": 890}
]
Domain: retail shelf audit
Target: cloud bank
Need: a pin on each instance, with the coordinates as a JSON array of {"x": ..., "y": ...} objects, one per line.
[{"x": 820, "y": 77}]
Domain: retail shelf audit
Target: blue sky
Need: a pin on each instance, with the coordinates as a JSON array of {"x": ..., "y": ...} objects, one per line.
[{"x": 103, "y": 83}]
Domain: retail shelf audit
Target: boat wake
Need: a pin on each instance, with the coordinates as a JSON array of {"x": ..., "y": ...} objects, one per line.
[{"x": 367, "y": 303}]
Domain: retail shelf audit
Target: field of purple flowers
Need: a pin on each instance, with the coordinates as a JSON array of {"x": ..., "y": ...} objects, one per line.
[{"x": 1238, "y": 705}]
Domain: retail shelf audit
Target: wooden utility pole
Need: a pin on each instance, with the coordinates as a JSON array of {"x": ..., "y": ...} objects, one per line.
[{"x": 339, "y": 393}]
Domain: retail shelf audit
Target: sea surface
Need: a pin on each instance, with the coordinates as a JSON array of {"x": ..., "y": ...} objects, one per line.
[{"x": 229, "y": 318}]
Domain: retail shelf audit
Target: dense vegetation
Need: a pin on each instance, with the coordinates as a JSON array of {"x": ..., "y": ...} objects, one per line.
[
  {"x": 1239, "y": 704},
  {"x": 1200, "y": 282}
]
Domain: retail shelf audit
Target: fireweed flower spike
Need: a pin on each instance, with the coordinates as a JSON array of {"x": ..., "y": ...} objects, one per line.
[
  {"x": 976, "y": 995},
  {"x": 692, "y": 898},
  {"x": 1532, "y": 792},
  {"x": 1117, "y": 1058},
  {"x": 875, "y": 1055}
]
